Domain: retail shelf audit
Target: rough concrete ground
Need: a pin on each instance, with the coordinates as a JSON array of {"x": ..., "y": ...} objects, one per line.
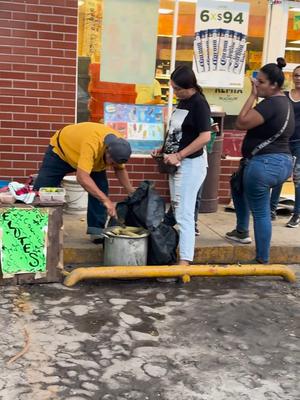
[{"x": 212, "y": 339}]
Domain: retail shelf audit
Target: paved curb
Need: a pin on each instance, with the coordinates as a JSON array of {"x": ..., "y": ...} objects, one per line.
[{"x": 203, "y": 255}]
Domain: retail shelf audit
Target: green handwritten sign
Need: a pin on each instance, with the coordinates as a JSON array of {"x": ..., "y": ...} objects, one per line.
[{"x": 23, "y": 235}]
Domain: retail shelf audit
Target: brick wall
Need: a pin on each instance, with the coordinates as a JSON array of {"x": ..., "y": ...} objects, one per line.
[{"x": 38, "y": 40}]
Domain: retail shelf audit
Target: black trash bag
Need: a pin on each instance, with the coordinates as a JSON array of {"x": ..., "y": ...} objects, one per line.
[
  {"x": 162, "y": 245},
  {"x": 146, "y": 208}
]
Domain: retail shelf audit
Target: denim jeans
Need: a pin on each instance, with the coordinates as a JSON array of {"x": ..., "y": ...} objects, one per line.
[
  {"x": 51, "y": 173},
  {"x": 262, "y": 173},
  {"x": 184, "y": 186},
  {"x": 199, "y": 194},
  {"x": 295, "y": 150}
]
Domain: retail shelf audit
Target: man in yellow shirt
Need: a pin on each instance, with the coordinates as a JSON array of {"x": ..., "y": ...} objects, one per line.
[
  {"x": 89, "y": 149},
  {"x": 148, "y": 94}
]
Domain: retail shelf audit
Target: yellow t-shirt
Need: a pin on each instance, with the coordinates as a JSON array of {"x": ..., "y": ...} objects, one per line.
[
  {"x": 146, "y": 93},
  {"x": 83, "y": 145}
]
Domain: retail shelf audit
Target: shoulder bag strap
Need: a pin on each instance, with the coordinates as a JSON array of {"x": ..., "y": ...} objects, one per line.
[
  {"x": 58, "y": 142},
  {"x": 274, "y": 137}
]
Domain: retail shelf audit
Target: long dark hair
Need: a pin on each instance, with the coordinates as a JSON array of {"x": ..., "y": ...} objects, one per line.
[
  {"x": 184, "y": 77},
  {"x": 274, "y": 71},
  {"x": 294, "y": 70}
]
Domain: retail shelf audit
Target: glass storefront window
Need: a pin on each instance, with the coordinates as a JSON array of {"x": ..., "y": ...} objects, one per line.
[
  {"x": 92, "y": 92},
  {"x": 292, "y": 45}
]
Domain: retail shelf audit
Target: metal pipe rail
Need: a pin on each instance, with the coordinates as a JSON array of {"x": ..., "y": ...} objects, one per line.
[{"x": 180, "y": 271}]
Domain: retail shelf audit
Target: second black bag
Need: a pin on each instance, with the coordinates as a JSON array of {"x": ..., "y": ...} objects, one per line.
[{"x": 236, "y": 180}]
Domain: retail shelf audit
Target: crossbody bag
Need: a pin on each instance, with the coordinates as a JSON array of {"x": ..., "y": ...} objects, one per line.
[{"x": 236, "y": 180}]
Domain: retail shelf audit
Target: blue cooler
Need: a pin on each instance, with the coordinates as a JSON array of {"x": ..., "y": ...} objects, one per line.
[{"x": 3, "y": 184}]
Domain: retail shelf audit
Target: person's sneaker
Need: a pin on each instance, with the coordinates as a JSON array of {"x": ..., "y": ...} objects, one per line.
[
  {"x": 241, "y": 237},
  {"x": 197, "y": 232},
  {"x": 294, "y": 222},
  {"x": 273, "y": 215}
]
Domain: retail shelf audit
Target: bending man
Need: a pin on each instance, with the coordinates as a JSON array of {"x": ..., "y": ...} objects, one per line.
[{"x": 88, "y": 149}]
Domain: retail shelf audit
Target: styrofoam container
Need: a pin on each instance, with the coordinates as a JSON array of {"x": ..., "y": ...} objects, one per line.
[
  {"x": 52, "y": 194},
  {"x": 7, "y": 198}
]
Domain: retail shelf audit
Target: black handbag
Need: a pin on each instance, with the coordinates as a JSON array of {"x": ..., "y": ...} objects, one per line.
[
  {"x": 236, "y": 180},
  {"x": 164, "y": 168}
]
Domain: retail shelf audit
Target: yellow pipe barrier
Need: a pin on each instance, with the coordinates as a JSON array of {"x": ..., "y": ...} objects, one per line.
[{"x": 184, "y": 272}]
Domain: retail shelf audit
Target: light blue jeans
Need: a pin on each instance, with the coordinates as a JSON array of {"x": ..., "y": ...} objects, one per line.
[
  {"x": 184, "y": 186},
  {"x": 262, "y": 173}
]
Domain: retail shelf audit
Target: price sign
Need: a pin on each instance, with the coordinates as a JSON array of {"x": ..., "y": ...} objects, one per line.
[
  {"x": 227, "y": 17},
  {"x": 220, "y": 43}
]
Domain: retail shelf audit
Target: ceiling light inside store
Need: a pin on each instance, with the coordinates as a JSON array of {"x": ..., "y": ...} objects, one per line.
[
  {"x": 295, "y": 9},
  {"x": 295, "y": 42},
  {"x": 80, "y": 3},
  {"x": 293, "y": 48},
  {"x": 165, "y": 11}
]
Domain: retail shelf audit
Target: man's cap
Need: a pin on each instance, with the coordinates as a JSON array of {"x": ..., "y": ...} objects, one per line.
[{"x": 119, "y": 149}]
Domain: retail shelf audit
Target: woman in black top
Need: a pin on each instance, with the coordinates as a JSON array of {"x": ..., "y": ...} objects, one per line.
[
  {"x": 294, "y": 97},
  {"x": 188, "y": 132},
  {"x": 269, "y": 162}
]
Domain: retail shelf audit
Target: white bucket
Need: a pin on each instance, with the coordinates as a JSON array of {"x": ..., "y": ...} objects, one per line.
[{"x": 76, "y": 196}]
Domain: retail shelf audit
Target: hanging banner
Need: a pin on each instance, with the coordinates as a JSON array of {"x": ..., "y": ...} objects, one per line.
[
  {"x": 129, "y": 41},
  {"x": 23, "y": 240},
  {"x": 220, "y": 43}
]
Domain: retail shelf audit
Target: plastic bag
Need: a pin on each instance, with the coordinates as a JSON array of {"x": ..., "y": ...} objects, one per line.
[
  {"x": 146, "y": 208},
  {"x": 162, "y": 245}
]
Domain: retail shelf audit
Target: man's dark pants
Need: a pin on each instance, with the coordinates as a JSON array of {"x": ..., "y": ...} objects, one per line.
[{"x": 51, "y": 173}]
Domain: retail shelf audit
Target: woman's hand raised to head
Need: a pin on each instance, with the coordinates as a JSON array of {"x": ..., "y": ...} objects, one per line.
[{"x": 254, "y": 86}]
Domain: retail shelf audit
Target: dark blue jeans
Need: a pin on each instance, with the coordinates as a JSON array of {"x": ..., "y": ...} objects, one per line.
[
  {"x": 51, "y": 173},
  {"x": 262, "y": 173},
  {"x": 295, "y": 150}
]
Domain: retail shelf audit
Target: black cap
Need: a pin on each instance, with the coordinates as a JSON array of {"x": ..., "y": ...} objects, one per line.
[{"x": 119, "y": 149}]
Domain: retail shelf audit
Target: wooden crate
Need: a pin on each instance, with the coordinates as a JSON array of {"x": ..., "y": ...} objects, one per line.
[{"x": 54, "y": 261}]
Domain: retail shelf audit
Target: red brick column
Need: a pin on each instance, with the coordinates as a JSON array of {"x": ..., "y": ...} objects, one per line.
[{"x": 38, "y": 41}]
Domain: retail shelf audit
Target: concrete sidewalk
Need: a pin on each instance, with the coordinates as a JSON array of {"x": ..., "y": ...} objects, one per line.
[{"x": 211, "y": 246}]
